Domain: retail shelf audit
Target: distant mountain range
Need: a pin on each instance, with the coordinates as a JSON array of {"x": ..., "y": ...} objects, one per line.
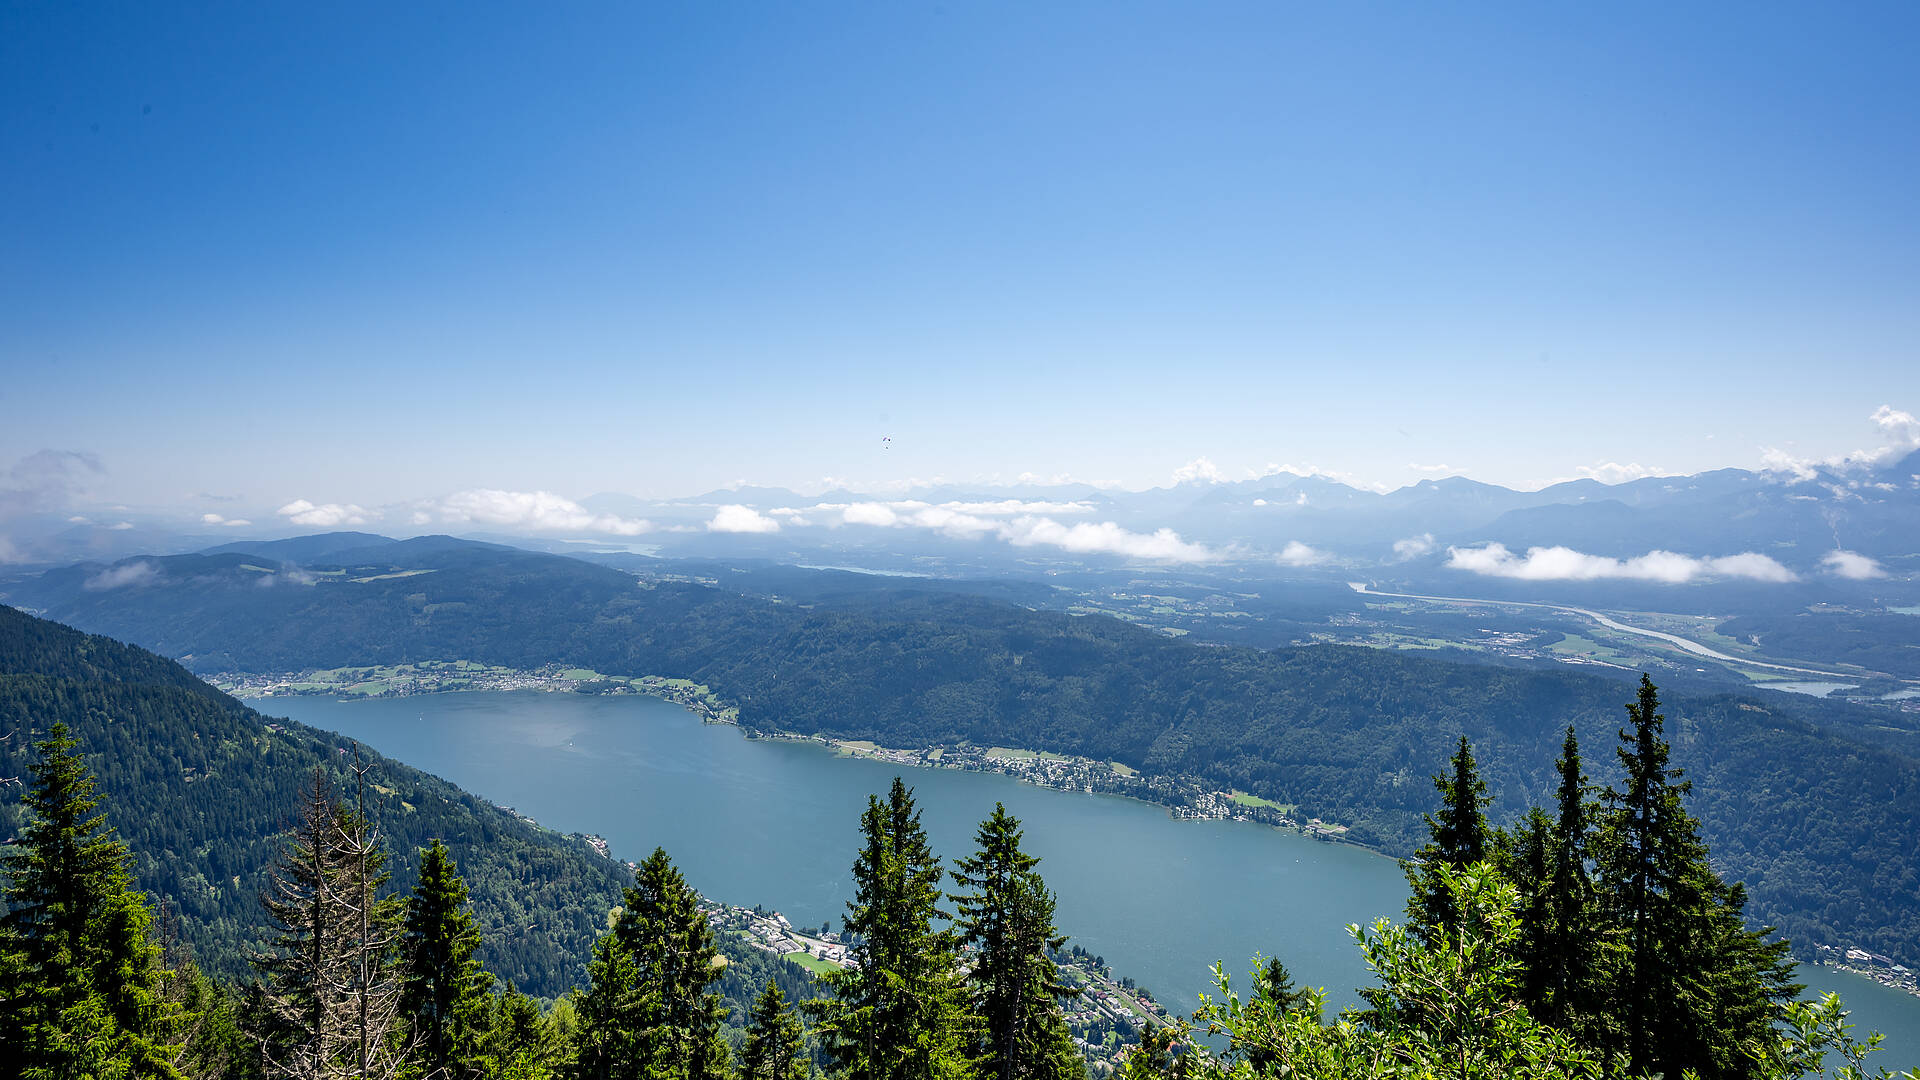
[{"x": 1847, "y": 528}]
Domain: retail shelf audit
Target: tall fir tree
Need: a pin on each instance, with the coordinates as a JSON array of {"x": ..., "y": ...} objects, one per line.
[
  {"x": 1014, "y": 986},
  {"x": 1691, "y": 987},
  {"x": 648, "y": 1011},
  {"x": 85, "y": 992},
  {"x": 1567, "y": 973},
  {"x": 1525, "y": 858},
  {"x": 775, "y": 1044},
  {"x": 443, "y": 989},
  {"x": 1457, "y": 837},
  {"x": 898, "y": 1013}
]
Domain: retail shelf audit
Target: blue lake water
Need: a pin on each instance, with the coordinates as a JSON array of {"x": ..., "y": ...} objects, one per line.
[{"x": 775, "y": 823}]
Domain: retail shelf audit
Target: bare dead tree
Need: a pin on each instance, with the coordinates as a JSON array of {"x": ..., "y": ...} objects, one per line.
[
  {"x": 302, "y": 967},
  {"x": 369, "y": 983}
]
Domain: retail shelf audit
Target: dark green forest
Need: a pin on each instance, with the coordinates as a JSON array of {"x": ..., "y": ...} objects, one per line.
[{"x": 1815, "y": 806}]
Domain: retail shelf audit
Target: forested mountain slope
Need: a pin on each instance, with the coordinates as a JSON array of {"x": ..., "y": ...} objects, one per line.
[
  {"x": 1813, "y": 808},
  {"x": 202, "y": 788}
]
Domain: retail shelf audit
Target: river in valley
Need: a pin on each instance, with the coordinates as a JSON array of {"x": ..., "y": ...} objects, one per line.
[{"x": 761, "y": 821}]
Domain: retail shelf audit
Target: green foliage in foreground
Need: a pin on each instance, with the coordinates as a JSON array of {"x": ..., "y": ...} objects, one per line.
[{"x": 1596, "y": 944}]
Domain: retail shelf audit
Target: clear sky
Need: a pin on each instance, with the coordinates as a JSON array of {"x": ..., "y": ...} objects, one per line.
[{"x": 372, "y": 253}]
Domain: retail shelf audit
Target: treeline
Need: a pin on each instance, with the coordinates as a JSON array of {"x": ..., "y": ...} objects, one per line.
[{"x": 1813, "y": 805}]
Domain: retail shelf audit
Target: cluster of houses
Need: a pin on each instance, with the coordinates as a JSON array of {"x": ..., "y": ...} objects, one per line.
[
  {"x": 1876, "y": 966},
  {"x": 773, "y": 932}
]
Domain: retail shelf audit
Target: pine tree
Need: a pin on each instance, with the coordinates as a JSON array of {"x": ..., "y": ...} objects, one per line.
[
  {"x": 1015, "y": 985},
  {"x": 648, "y": 1011},
  {"x": 1693, "y": 986},
  {"x": 898, "y": 1013},
  {"x": 331, "y": 993},
  {"x": 85, "y": 991},
  {"x": 1525, "y": 858},
  {"x": 775, "y": 1046},
  {"x": 443, "y": 989},
  {"x": 372, "y": 980},
  {"x": 1273, "y": 983},
  {"x": 518, "y": 1043},
  {"x": 1567, "y": 970},
  {"x": 302, "y": 1027},
  {"x": 1458, "y": 838}
]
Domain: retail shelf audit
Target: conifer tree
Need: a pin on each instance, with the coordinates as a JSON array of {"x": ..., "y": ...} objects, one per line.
[
  {"x": 85, "y": 991},
  {"x": 648, "y": 1011},
  {"x": 1526, "y": 859},
  {"x": 1566, "y": 972},
  {"x": 443, "y": 989},
  {"x": 1458, "y": 838},
  {"x": 1693, "y": 987},
  {"x": 331, "y": 991},
  {"x": 897, "y": 1014},
  {"x": 1015, "y": 987},
  {"x": 517, "y": 1042},
  {"x": 775, "y": 1046},
  {"x": 1273, "y": 983}
]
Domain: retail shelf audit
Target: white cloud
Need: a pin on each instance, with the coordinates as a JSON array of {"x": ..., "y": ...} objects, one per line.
[
  {"x": 1899, "y": 434},
  {"x": 1566, "y": 564},
  {"x": 1259, "y": 502},
  {"x": 1431, "y": 468},
  {"x": 225, "y": 522},
  {"x": 324, "y": 516},
  {"x": 1776, "y": 460},
  {"x": 1413, "y": 547},
  {"x": 1199, "y": 470},
  {"x": 869, "y": 514},
  {"x": 120, "y": 526},
  {"x": 540, "y": 511},
  {"x": 1900, "y": 429},
  {"x": 1615, "y": 473},
  {"x": 1299, "y": 554},
  {"x": 133, "y": 573},
  {"x": 734, "y": 518},
  {"x": 956, "y": 518},
  {"x": 1108, "y": 538},
  {"x": 1851, "y": 565}
]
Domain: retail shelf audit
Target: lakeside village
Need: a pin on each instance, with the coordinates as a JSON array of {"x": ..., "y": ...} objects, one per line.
[
  {"x": 1184, "y": 797},
  {"x": 1106, "y": 1017}
]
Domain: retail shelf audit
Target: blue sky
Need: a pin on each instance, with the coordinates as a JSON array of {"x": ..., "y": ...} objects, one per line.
[{"x": 372, "y": 253}]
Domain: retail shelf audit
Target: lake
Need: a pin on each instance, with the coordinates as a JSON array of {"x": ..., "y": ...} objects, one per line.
[{"x": 761, "y": 821}]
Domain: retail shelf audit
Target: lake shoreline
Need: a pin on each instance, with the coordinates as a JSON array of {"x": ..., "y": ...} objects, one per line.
[{"x": 1184, "y": 798}]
